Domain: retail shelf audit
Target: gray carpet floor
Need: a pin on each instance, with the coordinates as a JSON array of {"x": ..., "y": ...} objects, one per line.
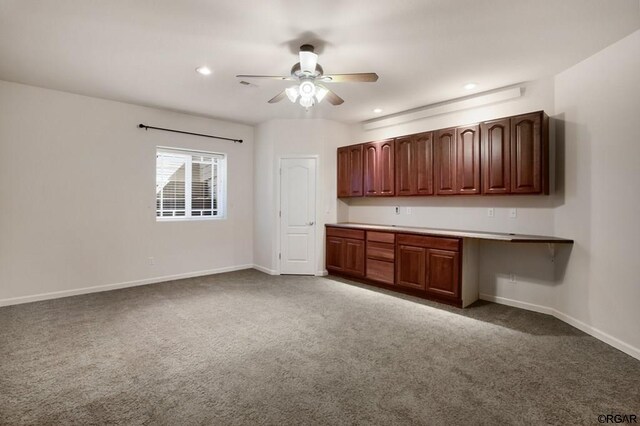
[{"x": 248, "y": 348}]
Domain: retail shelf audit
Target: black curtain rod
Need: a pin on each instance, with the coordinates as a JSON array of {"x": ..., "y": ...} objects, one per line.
[{"x": 144, "y": 126}]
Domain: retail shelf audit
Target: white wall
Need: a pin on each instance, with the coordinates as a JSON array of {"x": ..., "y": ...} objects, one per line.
[
  {"x": 280, "y": 138},
  {"x": 78, "y": 195},
  {"x": 598, "y": 101},
  {"x": 532, "y": 265}
]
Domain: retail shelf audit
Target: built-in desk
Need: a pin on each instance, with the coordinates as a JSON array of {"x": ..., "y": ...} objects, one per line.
[{"x": 438, "y": 264}]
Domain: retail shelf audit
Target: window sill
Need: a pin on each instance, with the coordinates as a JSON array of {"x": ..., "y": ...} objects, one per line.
[{"x": 189, "y": 219}]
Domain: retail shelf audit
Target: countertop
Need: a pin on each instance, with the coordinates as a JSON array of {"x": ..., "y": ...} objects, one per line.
[{"x": 496, "y": 236}]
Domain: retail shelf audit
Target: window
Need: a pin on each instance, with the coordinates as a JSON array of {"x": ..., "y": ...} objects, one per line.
[{"x": 189, "y": 184}]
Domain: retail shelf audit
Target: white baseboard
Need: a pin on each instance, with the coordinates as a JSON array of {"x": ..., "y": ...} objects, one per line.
[
  {"x": 516, "y": 304},
  {"x": 590, "y": 330},
  {"x": 322, "y": 273},
  {"x": 265, "y": 270},
  {"x": 107, "y": 287}
]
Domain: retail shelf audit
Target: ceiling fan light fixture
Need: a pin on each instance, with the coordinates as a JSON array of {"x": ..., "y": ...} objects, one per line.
[
  {"x": 292, "y": 93},
  {"x": 306, "y": 101},
  {"x": 307, "y": 88}
]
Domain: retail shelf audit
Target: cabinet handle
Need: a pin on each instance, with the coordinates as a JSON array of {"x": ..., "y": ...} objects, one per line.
[{"x": 310, "y": 223}]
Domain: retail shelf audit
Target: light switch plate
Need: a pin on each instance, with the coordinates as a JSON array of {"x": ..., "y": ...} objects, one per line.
[
  {"x": 408, "y": 210},
  {"x": 513, "y": 213}
]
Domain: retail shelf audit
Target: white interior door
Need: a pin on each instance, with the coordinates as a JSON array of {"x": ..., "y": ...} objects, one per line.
[{"x": 297, "y": 216}]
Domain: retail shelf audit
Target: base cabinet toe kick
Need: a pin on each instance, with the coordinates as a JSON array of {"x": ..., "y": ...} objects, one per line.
[{"x": 427, "y": 263}]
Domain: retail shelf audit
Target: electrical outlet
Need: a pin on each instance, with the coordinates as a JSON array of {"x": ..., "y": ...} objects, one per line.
[
  {"x": 397, "y": 209},
  {"x": 513, "y": 213},
  {"x": 152, "y": 261},
  {"x": 408, "y": 210},
  {"x": 512, "y": 278},
  {"x": 491, "y": 212}
]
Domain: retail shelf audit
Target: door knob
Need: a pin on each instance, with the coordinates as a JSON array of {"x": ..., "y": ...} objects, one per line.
[{"x": 310, "y": 223}]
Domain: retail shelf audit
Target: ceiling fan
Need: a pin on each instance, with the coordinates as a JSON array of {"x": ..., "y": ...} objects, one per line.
[{"x": 310, "y": 75}]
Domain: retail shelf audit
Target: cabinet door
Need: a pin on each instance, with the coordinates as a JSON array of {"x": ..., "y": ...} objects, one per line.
[
  {"x": 371, "y": 182},
  {"x": 443, "y": 273},
  {"x": 445, "y": 162},
  {"x": 405, "y": 167},
  {"x": 386, "y": 167},
  {"x": 335, "y": 253},
  {"x": 344, "y": 173},
  {"x": 354, "y": 256},
  {"x": 410, "y": 267},
  {"x": 496, "y": 156},
  {"x": 468, "y": 160},
  {"x": 526, "y": 154},
  {"x": 379, "y": 168},
  {"x": 355, "y": 170},
  {"x": 423, "y": 144}
]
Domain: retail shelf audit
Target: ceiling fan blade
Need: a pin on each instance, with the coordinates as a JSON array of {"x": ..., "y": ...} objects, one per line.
[
  {"x": 365, "y": 77},
  {"x": 333, "y": 99},
  {"x": 277, "y": 98},
  {"x": 270, "y": 77}
]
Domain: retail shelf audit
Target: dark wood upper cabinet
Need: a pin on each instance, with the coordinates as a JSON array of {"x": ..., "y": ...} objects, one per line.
[
  {"x": 344, "y": 174},
  {"x": 496, "y": 156},
  {"x": 424, "y": 163},
  {"x": 414, "y": 164},
  {"x": 444, "y": 148},
  {"x": 504, "y": 156},
  {"x": 379, "y": 168},
  {"x": 443, "y": 273},
  {"x": 468, "y": 160},
  {"x": 406, "y": 183},
  {"x": 528, "y": 154},
  {"x": 350, "y": 171}
]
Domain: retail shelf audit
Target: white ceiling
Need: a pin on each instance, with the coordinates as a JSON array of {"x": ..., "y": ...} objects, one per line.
[{"x": 145, "y": 51}]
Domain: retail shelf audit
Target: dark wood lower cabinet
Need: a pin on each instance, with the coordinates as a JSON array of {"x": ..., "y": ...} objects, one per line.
[
  {"x": 354, "y": 256},
  {"x": 443, "y": 273},
  {"x": 345, "y": 251},
  {"x": 335, "y": 254},
  {"x": 425, "y": 266},
  {"x": 411, "y": 267}
]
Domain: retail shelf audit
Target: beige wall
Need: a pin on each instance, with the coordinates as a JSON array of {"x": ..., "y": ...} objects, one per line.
[
  {"x": 598, "y": 101},
  {"x": 280, "y": 138},
  {"x": 84, "y": 216}
]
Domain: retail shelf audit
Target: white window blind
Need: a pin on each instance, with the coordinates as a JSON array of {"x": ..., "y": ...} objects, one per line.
[{"x": 189, "y": 184}]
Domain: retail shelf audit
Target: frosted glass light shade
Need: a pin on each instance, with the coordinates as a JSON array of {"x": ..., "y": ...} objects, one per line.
[
  {"x": 292, "y": 93},
  {"x": 306, "y": 101}
]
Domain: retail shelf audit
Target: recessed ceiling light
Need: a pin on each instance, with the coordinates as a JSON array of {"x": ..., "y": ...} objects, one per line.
[
  {"x": 470, "y": 86},
  {"x": 377, "y": 110},
  {"x": 203, "y": 70}
]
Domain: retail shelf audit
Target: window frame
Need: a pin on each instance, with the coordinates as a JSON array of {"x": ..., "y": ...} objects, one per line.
[{"x": 221, "y": 185}]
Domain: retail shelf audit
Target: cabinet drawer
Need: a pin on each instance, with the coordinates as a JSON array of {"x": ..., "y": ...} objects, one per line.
[
  {"x": 356, "y": 234},
  {"x": 429, "y": 242},
  {"x": 380, "y": 271},
  {"x": 381, "y": 237},
  {"x": 381, "y": 251}
]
